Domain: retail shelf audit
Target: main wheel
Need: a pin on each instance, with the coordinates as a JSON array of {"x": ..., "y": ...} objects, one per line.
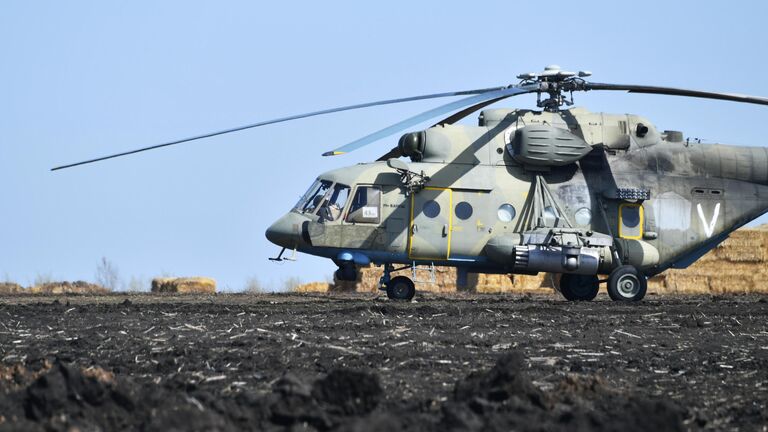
[
  {"x": 625, "y": 283},
  {"x": 346, "y": 272},
  {"x": 401, "y": 288},
  {"x": 576, "y": 287}
]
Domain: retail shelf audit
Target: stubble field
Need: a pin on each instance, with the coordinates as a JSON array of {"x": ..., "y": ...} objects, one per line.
[{"x": 362, "y": 362}]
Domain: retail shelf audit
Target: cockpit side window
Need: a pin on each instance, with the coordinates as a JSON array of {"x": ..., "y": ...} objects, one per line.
[
  {"x": 314, "y": 196},
  {"x": 332, "y": 208},
  {"x": 366, "y": 205}
]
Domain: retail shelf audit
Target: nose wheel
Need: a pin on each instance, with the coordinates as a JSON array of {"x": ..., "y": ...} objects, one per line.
[
  {"x": 401, "y": 288},
  {"x": 346, "y": 272},
  {"x": 626, "y": 283}
]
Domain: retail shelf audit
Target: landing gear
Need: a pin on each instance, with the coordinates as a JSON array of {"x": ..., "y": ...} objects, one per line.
[
  {"x": 398, "y": 288},
  {"x": 346, "y": 272},
  {"x": 576, "y": 287},
  {"x": 401, "y": 288},
  {"x": 625, "y": 283}
]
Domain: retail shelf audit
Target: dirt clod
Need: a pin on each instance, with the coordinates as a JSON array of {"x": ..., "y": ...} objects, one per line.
[
  {"x": 505, "y": 398},
  {"x": 507, "y": 379},
  {"x": 349, "y": 392}
]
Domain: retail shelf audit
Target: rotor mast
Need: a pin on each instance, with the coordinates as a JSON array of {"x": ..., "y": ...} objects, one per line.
[{"x": 557, "y": 83}]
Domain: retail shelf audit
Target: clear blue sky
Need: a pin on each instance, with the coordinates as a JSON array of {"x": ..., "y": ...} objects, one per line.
[{"x": 82, "y": 79}]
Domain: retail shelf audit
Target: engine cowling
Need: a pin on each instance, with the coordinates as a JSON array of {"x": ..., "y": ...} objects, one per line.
[
  {"x": 546, "y": 146},
  {"x": 413, "y": 145}
]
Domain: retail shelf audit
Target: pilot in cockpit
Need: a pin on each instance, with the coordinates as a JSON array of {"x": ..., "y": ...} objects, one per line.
[{"x": 332, "y": 208}]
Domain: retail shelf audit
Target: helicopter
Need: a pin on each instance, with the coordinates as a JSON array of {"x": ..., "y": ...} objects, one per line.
[{"x": 557, "y": 189}]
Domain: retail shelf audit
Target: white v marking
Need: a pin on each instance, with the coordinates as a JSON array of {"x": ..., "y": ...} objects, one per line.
[{"x": 709, "y": 228}]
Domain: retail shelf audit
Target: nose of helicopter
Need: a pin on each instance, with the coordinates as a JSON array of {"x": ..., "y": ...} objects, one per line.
[{"x": 286, "y": 231}]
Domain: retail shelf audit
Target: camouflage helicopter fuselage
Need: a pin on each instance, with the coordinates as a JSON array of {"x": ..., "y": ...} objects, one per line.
[
  {"x": 562, "y": 191},
  {"x": 619, "y": 193}
]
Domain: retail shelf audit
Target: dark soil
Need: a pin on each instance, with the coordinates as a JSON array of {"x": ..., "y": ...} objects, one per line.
[{"x": 359, "y": 362}]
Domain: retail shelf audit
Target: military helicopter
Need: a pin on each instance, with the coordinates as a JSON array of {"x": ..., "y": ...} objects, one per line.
[{"x": 559, "y": 190}]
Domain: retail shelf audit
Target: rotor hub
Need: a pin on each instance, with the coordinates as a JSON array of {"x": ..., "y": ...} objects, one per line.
[{"x": 558, "y": 84}]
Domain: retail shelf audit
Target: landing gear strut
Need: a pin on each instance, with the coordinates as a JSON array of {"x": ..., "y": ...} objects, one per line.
[{"x": 626, "y": 283}]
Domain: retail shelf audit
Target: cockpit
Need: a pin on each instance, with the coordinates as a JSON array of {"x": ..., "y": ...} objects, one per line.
[
  {"x": 328, "y": 201},
  {"x": 324, "y": 199}
]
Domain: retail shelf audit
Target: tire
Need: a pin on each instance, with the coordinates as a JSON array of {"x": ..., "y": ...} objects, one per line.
[
  {"x": 401, "y": 288},
  {"x": 626, "y": 283},
  {"x": 346, "y": 272},
  {"x": 576, "y": 287}
]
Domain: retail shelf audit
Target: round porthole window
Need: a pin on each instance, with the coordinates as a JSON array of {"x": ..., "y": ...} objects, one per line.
[
  {"x": 506, "y": 213},
  {"x": 463, "y": 210},
  {"x": 583, "y": 216},
  {"x": 431, "y": 209}
]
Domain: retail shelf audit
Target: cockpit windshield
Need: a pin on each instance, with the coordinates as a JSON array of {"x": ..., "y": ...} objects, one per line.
[
  {"x": 314, "y": 196},
  {"x": 332, "y": 208},
  {"x": 327, "y": 197}
]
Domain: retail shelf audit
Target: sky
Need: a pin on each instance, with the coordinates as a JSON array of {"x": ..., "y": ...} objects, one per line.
[{"x": 81, "y": 79}]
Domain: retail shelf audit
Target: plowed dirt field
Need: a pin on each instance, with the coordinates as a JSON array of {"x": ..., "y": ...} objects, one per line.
[{"x": 362, "y": 362}]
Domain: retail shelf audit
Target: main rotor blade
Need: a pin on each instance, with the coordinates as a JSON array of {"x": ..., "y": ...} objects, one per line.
[
  {"x": 434, "y": 112},
  {"x": 285, "y": 119},
  {"x": 394, "y": 153},
  {"x": 465, "y": 112},
  {"x": 677, "y": 92}
]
